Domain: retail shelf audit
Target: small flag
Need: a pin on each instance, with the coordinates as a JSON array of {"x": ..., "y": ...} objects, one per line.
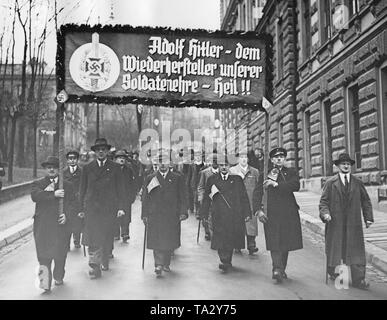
[
  {"x": 266, "y": 104},
  {"x": 214, "y": 191},
  {"x": 154, "y": 183},
  {"x": 50, "y": 187}
]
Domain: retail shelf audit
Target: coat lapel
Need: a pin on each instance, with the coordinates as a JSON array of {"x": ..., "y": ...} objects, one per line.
[
  {"x": 337, "y": 185},
  {"x": 351, "y": 187}
]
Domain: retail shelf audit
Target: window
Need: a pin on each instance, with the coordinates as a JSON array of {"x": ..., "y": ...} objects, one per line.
[
  {"x": 308, "y": 144},
  {"x": 383, "y": 104},
  {"x": 353, "y": 7},
  {"x": 325, "y": 18},
  {"x": 306, "y": 34},
  {"x": 280, "y": 51},
  {"x": 280, "y": 134},
  {"x": 327, "y": 135},
  {"x": 353, "y": 100}
]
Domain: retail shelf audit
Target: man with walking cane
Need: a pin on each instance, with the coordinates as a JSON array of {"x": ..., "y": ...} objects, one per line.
[
  {"x": 227, "y": 197},
  {"x": 164, "y": 205},
  {"x": 343, "y": 202}
]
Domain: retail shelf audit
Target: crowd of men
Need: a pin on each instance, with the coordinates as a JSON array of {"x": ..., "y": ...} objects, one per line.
[{"x": 228, "y": 198}]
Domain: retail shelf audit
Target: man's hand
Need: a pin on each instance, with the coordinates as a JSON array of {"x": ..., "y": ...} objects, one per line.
[
  {"x": 247, "y": 218},
  {"x": 262, "y": 216},
  {"x": 368, "y": 224},
  {"x": 81, "y": 215},
  {"x": 267, "y": 183},
  {"x": 120, "y": 213},
  {"x": 62, "y": 219},
  {"x": 59, "y": 193},
  {"x": 327, "y": 217},
  {"x": 183, "y": 217},
  {"x": 145, "y": 220}
]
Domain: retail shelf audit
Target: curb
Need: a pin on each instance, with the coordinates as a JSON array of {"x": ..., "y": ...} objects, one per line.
[
  {"x": 16, "y": 232},
  {"x": 375, "y": 256}
]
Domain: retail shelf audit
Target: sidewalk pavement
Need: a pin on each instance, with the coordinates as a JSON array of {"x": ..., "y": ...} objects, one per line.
[{"x": 375, "y": 236}]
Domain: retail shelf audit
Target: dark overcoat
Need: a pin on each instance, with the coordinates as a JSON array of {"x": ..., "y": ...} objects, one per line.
[
  {"x": 332, "y": 202},
  {"x": 74, "y": 178},
  {"x": 283, "y": 228},
  {"x": 228, "y": 224},
  {"x": 101, "y": 196},
  {"x": 130, "y": 189},
  {"x": 163, "y": 206},
  {"x": 51, "y": 238}
]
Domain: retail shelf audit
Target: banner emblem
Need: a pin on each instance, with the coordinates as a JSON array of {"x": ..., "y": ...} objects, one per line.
[{"x": 94, "y": 66}]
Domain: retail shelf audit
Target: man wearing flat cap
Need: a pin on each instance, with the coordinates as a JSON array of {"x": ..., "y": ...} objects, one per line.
[
  {"x": 282, "y": 224},
  {"x": 203, "y": 177},
  {"x": 102, "y": 200},
  {"x": 227, "y": 197},
  {"x": 344, "y": 203},
  {"x": 51, "y": 231},
  {"x": 123, "y": 222},
  {"x": 163, "y": 207},
  {"x": 73, "y": 174}
]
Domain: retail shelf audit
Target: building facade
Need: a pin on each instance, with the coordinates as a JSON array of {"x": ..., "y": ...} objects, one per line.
[{"x": 330, "y": 85}]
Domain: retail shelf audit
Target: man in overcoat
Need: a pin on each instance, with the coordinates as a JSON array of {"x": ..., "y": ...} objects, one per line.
[
  {"x": 193, "y": 179},
  {"x": 343, "y": 202},
  {"x": 130, "y": 190},
  {"x": 282, "y": 226},
  {"x": 227, "y": 197},
  {"x": 252, "y": 180},
  {"x": 204, "y": 175},
  {"x": 163, "y": 207},
  {"x": 72, "y": 174},
  {"x": 102, "y": 200},
  {"x": 51, "y": 231}
]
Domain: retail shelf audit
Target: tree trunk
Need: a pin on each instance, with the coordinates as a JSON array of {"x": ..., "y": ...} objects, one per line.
[
  {"x": 34, "y": 150},
  {"x": 11, "y": 150},
  {"x": 20, "y": 158}
]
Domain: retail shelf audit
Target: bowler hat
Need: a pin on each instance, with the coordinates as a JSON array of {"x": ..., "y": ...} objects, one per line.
[
  {"x": 72, "y": 152},
  {"x": 344, "y": 157},
  {"x": 51, "y": 161},
  {"x": 100, "y": 142},
  {"x": 121, "y": 153},
  {"x": 278, "y": 151}
]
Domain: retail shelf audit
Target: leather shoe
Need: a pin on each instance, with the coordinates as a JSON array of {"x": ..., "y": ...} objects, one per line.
[
  {"x": 95, "y": 273},
  {"x": 238, "y": 251},
  {"x": 363, "y": 285},
  {"x": 166, "y": 269},
  {"x": 104, "y": 267},
  {"x": 277, "y": 275},
  {"x": 224, "y": 267},
  {"x": 158, "y": 271},
  {"x": 58, "y": 282},
  {"x": 252, "y": 251}
]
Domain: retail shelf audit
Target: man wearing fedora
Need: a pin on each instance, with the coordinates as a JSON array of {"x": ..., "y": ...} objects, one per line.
[
  {"x": 164, "y": 205},
  {"x": 73, "y": 174},
  {"x": 227, "y": 197},
  {"x": 282, "y": 224},
  {"x": 51, "y": 231},
  {"x": 252, "y": 180},
  {"x": 102, "y": 199},
  {"x": 122, "y": 229},
  {"x": 343, "y": 202}
]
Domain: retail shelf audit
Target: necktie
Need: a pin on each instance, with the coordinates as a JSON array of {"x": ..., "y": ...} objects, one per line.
[{"x": 346, "y": 182}]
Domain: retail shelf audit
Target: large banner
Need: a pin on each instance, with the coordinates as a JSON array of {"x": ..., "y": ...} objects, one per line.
[{"x": 162, "y": 66}]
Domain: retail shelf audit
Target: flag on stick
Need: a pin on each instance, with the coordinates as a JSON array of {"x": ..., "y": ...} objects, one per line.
[{"x": 154, "y": 183}]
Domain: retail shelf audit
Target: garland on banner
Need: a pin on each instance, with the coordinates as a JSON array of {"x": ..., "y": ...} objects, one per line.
[{"x": 60, "y": 68}]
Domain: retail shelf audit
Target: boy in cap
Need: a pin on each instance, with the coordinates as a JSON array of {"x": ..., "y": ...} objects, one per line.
[{"x": 343, "y": 204}]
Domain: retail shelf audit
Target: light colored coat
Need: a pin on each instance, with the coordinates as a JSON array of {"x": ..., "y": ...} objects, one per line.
[{"x": 253, "y": 183}]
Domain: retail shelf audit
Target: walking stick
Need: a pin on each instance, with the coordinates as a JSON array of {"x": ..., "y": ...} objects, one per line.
[
  {"x": 143, "y": 248},
  {"x": 197, "y": 237},
  {"x": 326, "y": 269},
  {"x": 84, "y": 250}
]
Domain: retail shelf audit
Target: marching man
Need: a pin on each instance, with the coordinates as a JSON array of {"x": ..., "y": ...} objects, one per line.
[
  {"x": 226, "y": 195},
  {"x": 163, "y": 207},
  {"x": 102, "y": 201},
  {"x": 51, "y": 231},
  {"x": 342, "y": 203},
  {"x": 282, "y": 224},
  {"x": 253, "y": 183}
]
